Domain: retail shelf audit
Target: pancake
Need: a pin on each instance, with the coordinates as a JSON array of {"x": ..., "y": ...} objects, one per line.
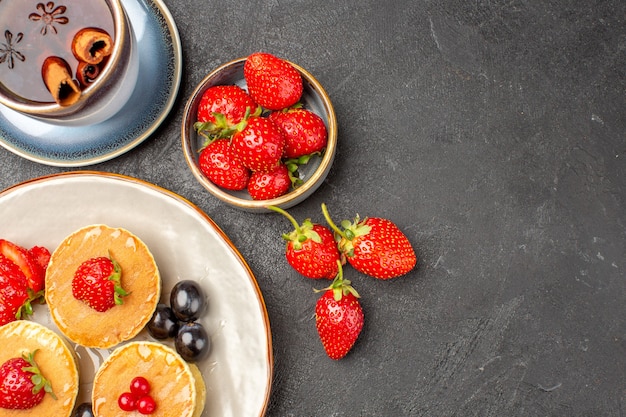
[
  {"x": 140, "y": 277},
  {"x": 55, "y": 360},
  {"x": 176, "y": 386}
]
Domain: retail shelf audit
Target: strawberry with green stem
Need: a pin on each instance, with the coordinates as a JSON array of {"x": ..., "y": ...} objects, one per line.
[
  {"x": 374, "y": 246},
  {"x": 22, "y": 385},
  {"x": 97, "y": 282},
  {"x": 272, "y": 81},
  {"x": 305, "y": 131},
  {"x": 265, "y": 185},
  {"x": 258, "y": 143},
  {"x": 221, "y": 109},
  {"x": 311, "y": 249},
  {"x": 219, "y": 163},
  {"x": 339, "y": 316}
]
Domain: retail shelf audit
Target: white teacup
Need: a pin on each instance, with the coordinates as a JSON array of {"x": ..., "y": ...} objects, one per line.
[{"x": 40, "y": 67}]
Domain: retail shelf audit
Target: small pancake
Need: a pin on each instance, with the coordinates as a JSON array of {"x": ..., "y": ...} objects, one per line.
[
  {"x": 140, "y": 277},
  {"x": 176, "y": 386},
  {"x": 55, "y": 360}
]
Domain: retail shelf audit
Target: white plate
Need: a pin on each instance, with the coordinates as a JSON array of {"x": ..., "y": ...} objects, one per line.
[{"x": 186, "y": 244}]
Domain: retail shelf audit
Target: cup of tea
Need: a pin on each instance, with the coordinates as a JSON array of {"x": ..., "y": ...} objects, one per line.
[{"x": 71, "y": 62}]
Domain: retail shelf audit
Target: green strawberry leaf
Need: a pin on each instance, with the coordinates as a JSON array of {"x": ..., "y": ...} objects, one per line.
[
  {"x": 38, "y": 380},
  {"x": 116, "y": 277},
  {"x": 339, "y": 286},
  {"x": 301, "y": 233}
]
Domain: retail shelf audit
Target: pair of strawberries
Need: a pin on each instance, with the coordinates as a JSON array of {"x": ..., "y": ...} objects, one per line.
[
  {"x": 373, "y": 246},
  {"x": 256, "y": 139}
]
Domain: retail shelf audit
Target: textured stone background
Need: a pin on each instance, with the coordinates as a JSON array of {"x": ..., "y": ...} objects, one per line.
[{"x": 494, "y": 134}]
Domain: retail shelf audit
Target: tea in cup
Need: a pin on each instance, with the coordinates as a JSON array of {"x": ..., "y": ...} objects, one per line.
[{"x": 72, "y": 62}]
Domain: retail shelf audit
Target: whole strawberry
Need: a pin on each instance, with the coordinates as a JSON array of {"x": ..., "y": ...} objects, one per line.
[
  {"x": 221, "y": 108},
  {"x": 311, "y": 248},
  {"x": 305, "y": 132},
  {"x": 219, "y": 163},
  {"x": 259, "y": 144},
  {"x": 272, "y": 82},
  {"x": 22, "y": 386},
  {"x": 96, "y": 282},
  {"x": 339, "y": 317},
  {"x": 374, "y": 246},
  {"x": 14, "y": 292},
  {"x": 265, "y": 185}
]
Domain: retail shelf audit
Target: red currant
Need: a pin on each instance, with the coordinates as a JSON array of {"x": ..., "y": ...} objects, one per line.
[
  {"x": 146, "y": 405},
  {"x": 140, "y": 386},
  {"x": 127, "y": 401}
]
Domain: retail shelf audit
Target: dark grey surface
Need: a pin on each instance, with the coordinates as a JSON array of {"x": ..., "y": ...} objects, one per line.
[{"x": 494, "y": 134}]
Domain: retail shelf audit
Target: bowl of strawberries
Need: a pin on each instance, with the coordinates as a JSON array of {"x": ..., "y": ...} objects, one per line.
[{"x": 259, "y": 131}]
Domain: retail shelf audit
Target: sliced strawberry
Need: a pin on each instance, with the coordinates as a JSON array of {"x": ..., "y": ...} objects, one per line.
[
  {"x": 32, "y": 270},
  {"x": 41, "y": 256},
  {"x": 13, "y": 291},
  {"x": 6, "y": 315}
]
